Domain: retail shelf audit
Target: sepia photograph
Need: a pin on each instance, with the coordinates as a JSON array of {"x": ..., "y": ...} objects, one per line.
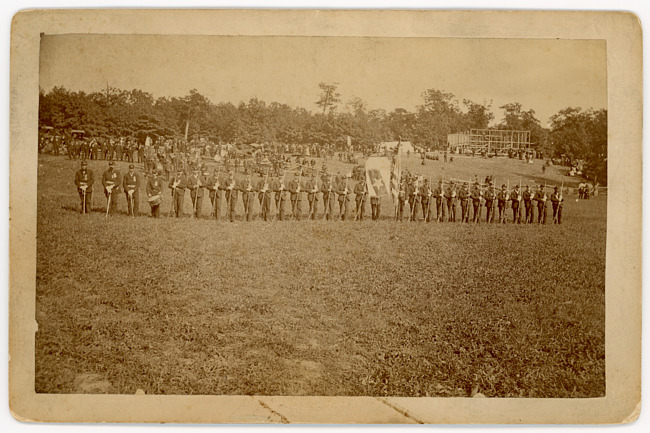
[{"x": 278, "y": 215}]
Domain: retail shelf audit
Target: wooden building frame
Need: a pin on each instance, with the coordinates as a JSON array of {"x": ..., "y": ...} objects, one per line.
[{"x": 490, "y": 141}]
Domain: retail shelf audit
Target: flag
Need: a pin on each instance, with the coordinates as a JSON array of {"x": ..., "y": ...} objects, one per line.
[
  {"x": 396, "y": 173},
  {"x": 378, "y": 176}
]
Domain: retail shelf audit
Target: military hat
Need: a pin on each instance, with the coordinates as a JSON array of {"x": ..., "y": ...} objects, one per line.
[
  {"x": 440, "y": 181},
  {"x": 466, "y": 184},
  {"x": 84, "y": 163},
  {"x": 555, "y": 188},
  {"x": 131, "y": 166},
  {"x": 111, "y": 163},
  {"x": 475, "y": 183},
  {"x": 541, "y": 186},
  {"x": 503, "y": 186}
]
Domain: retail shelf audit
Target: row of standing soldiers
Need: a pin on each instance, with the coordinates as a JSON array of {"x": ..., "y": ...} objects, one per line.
[
  {"x": 440, "y": 204},
  {"x": 269, "y": 190}
]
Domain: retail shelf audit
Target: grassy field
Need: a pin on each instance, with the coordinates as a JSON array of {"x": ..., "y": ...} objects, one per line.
[{"x": 319, "y": 308}]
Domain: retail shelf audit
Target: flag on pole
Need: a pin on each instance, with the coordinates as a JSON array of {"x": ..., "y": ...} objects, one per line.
[
  {"x": 378, "y": 176},
  {"x": 396, "y": 174}
]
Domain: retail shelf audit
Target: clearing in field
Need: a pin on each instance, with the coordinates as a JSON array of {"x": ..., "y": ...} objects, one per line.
[{"x": 185, "y": 306}]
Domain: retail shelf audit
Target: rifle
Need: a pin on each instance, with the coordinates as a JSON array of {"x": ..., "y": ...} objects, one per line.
[
  {"x": 131, "y": 202},
  {"x": 83, "y": 211}
]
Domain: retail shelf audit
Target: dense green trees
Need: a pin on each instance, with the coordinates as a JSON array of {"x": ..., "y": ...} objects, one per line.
[{"x": 573, "y": 132}]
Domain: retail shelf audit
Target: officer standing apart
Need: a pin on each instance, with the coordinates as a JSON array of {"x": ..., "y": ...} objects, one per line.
[
  {"x": 84, "y": 179},
  {"x": 111, "y": 182}
]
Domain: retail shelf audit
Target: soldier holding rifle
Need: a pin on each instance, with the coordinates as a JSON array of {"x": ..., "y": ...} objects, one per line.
[
  {"x": 360, "y": 197},
  {"x": 111, "y": 182},
  {"x": 540, "y": 198},
  {"x": 329, "y": 197},
  {"x": 463, "y": 196},
  {"x": 439, "y": 195},
  {"x": 414, "y": 197},
  {"x": 84, "y": 179},
  {"x": 476, "y": 202},
  {"x": 425, "y": 194},
  {"x": 247, "y": 195},
  {"x": 312, "y": 195},
  {"x": 280, "y": 195},
  {"x": 502, "y": 199},
  {"x": 195, "y": 183},
  {"x": 528, "y": 204},
  {"x": 264, "y": 187},
  {"x": 450, "y": 195},
  {"x": 515, "y": 201},
  {"x": 344, "y": 197},
  {"x": 490, "y": 197},
  {"x": 231, "y": 195},
  {"x": 296, "y": 196},
  {"x": 216, "y": 189},
  {"x": 177, "y": 184},
  {"x": 556, "y": 201}
]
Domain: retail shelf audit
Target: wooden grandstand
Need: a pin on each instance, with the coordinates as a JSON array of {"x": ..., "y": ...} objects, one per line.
[{"x": 490, "y": 141}]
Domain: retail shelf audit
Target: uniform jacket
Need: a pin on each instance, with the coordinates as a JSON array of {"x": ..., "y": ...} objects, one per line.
[
  {"x": 131, "y": 181},
  {"x": 111, "y": 178},
  {"x": 86, "y": 178},
  {"x": 154, "y": 186},
  {"x": 360, "y": 192}
]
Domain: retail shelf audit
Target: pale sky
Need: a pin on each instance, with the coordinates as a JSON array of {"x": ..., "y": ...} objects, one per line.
[{"x": 545, "y": 75}]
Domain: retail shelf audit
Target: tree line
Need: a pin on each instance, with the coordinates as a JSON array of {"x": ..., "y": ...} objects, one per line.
[{"x": 574, "y": 132}]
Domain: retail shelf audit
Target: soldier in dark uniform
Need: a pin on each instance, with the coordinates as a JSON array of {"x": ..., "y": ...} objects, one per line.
[
  {"x": 556, "y": 202},
  {"x": 154, "y": 189},
  {"x": 295, "y": 188},
  {"x": 177, "y": 184},
  {"x": 248, "y": 197},
  {"x": 344, "y": 196},
  {"x": 502, "y": 200},
  {"x": 476, "y": 202},
  {"x": 450, "y": 195},
  {"x": 360, "y": 197},
  {"x": 216, "y": 189},
  {"x": 490, "y": 196},
  {"x": 231, "y": 195},
  {"x": 195, "y": 183},
  {"x": 425, "y": 194},
  {"x": 265, "y": 192},
  {"x": 528, "y": 204},
  {"x": 375, "y": 207},
  {"x": 329, "y": 197},
  {"x": 312, "y": 195},
  {"x": 439, "y": 196},
  {"x": 463, "y": 196},
  {"x": 540, "y": 198},
  {"x": 131, "y": 185},
  {"x": 84, "y": 180},
  {"x": 515, "y": 201},
  {"x": 111, "y": 182},
  {"x": 402, "y": 199},
  {"x": 414, "y": 198},
  {"x": 280, "y": 195}
]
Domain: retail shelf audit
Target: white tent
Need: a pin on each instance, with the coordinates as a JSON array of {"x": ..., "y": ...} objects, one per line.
[{"x": 391, "y": 145}]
